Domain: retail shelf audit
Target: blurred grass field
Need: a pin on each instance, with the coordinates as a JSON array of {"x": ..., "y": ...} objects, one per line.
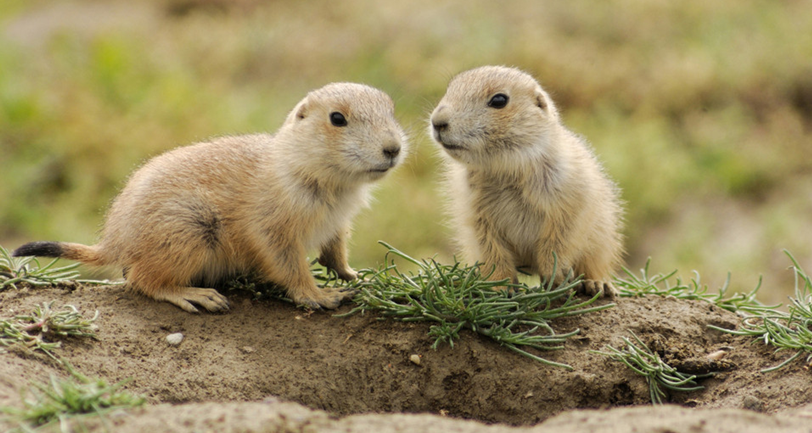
[{"x": 702, "y": 111}]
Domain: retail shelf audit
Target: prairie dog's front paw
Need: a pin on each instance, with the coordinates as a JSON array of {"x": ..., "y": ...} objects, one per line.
[
  {"x": 347, "y": 274},
  {"x": 593, "y": 287},
  {"x": 499, "y": 276},
  {"x": 344, "y": 272},
  {"x": 324, "y": 298}
]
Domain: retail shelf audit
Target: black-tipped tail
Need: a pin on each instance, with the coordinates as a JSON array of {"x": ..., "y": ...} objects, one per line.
[
  {"x": 40, "y": 249},
  {"x": 90, "y": 255}
]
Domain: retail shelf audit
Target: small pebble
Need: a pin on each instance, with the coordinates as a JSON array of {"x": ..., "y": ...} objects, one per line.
[
  {"x": 415, "y": 359},
  {"x": 716, "y": 356},
  {"x": 753, "y": 403},
  {"x": 174, "y": 339}
]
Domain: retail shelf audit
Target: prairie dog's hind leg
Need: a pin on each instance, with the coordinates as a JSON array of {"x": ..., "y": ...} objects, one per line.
[
  {"x": 185, "y": 297},
  {"x": 168, "y": 286},
  {"x": 194, "y": 250}
]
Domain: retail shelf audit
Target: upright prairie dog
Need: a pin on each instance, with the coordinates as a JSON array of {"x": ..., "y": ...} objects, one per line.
[
  {"x": 252, "y": 203},
  {"x": 522, "y": 186}
]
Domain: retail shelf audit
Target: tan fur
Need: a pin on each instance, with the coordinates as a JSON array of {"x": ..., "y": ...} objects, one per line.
[
  {"x": 254, "y": 203},
  {"x": 522, "y": 186}
]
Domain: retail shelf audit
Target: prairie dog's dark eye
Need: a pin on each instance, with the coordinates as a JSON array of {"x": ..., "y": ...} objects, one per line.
[
  {"x": 338, "y": 119},
  {"x": 498, "y": 100}
]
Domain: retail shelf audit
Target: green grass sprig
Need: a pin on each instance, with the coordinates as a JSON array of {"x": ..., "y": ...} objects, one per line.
[
  {"x": 648, "y": 364},
  {"x": 61, "y": 400},
  {"x": 635, "y": 286},
  {"x": 784, "y": 330},
  {"x": 41, "y": 329},
  {"x": 458, "y": 297}
]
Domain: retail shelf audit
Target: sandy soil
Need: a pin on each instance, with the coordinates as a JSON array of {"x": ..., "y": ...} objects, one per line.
[{"x": 267, "y": 366}]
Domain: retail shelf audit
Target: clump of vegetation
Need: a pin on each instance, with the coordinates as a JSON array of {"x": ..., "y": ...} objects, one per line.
[
  {"x": 458, "y": 297},
  {"x": 258, "y": 289},
  {"x": 267, "y": 290},
  {"x": 40, "y": 330},
  {"x": 27, "y": 270},
  {"x": 58, "y": 399},
  {"x": 785, "y": 330},
  {"x": 648, "y": 364},
  {"x": 661, "y": 285},
  {"x": 61, "y": 400}
]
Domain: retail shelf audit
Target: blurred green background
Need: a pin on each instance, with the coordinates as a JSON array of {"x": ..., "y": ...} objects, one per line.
[{"x": 701, "y": 110}]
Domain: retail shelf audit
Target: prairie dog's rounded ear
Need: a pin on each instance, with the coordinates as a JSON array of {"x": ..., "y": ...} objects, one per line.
[
  {"x": 544, "y": 102},
  {"x": 299, "y": 112}
]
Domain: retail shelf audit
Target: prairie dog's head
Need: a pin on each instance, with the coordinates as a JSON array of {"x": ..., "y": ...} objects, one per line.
[
  {"x": 350, "y": 129},
  {"x": 492, "y": 113}
]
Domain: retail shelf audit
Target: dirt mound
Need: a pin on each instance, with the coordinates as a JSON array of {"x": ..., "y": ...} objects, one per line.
[{"x": 263, "y": 354}]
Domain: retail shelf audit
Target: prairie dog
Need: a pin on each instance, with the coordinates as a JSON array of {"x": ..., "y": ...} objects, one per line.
[
  {"x": 252, "y": 203},
  {"x": 522, "y": 186}
]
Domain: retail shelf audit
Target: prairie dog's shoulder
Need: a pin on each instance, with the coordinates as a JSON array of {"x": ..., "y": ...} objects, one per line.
[
  {"x": 226, "y": 145},
  {"x": 239, "y": 141},
  {"x": 213, "y": 159}
]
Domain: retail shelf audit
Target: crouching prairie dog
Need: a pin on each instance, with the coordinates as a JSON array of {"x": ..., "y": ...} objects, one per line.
[
  {"x": 522, "y": 186},
  {"x": 252, "y": 203}
]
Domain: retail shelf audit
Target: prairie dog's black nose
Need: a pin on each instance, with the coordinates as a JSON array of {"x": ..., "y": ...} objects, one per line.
[
  {"x": 391, "y": 151},
  {"x": 439, "y": 119}
]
